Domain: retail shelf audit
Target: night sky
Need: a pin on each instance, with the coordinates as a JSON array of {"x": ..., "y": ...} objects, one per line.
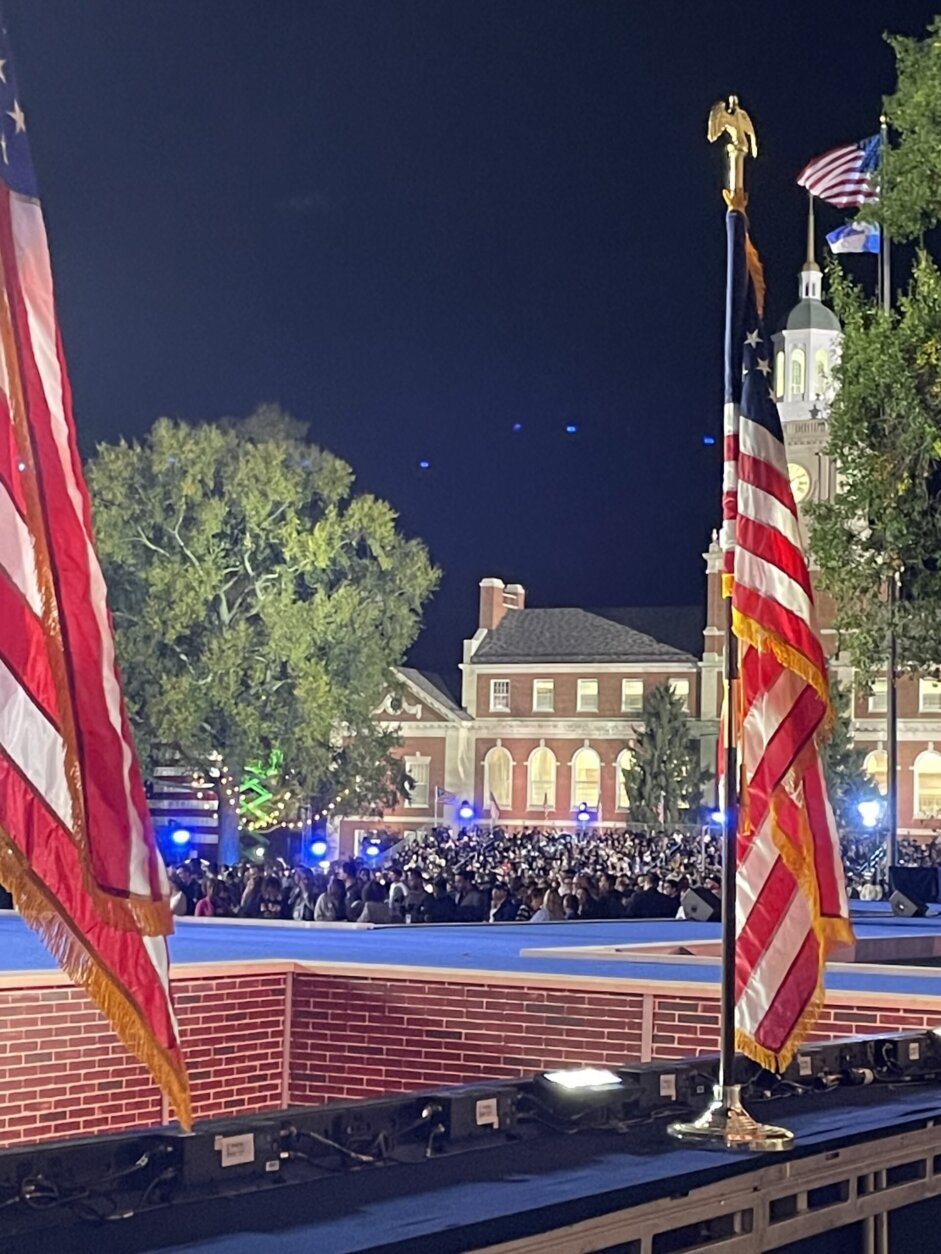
[{"x": 440, "y": 231}]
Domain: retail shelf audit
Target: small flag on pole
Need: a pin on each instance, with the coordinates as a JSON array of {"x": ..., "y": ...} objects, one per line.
[
  {"x": 494, "y": 810},
  {"x": 844, "y": 176},
  {"x": 791, "y": 906},
  {"x": 447, "y": 798},
  {"x": 854, "y": 237},
  {"x": 76, "y": 842}
]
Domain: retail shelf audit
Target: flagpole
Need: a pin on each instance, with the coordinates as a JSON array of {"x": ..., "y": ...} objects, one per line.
[
  {"x": 725, "y": 1123},
  {"x": 891, "y": 689}
]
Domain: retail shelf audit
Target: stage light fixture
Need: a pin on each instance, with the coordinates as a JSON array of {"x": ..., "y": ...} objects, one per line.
[
  {"x": 870, "y": 812},
  {"x": 371, "y": 850},
  {"x": 717, "y": 816},
  {"x": 318, "y": 847},
  {"x": 465, "y": 812},
  {"x": 583, "y": 814},
  {"x": 578, "y": 1079},
  {"x": 259, "y": 851},
  {"x": 180, "y": 836}
]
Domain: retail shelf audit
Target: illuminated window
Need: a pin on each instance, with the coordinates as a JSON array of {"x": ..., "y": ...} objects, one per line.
[
  {"x": 928, "y": 785},
  {"x": 876, "y": 766},
  {"x": 417, "y": 768},
  {"x": 541, "y": 772},
  {"x": 624, "y": 763},
  {"x": 821, "y": 372},
  {"x": 796, "y": 390},
  {"x": 586, "y": 778},
  {"x": 499, "y": 694},
  {"x": 498, "y": 777},
  {"x": 779, "y": 374},
  {"x": 929, "y": 695},
  {"x": 544, "y": 695},
  {"x": 680, "y": 689},
  {"x": 587, "y": 696},
  {"x": 878, "y": 696},
  {"x": 632, "y": 696}
]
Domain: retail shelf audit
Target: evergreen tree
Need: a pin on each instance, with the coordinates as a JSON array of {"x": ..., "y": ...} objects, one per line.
[
  {"x": 848, "y": 783},
  {"x": 665, "y": 779}
]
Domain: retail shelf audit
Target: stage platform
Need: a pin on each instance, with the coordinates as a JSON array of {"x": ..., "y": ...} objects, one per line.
[{"x": 273, "y": 1014}]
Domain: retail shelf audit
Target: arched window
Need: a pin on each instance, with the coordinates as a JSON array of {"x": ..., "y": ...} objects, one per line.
[
  {"x": 796, "y": 390},
  {"x": 624, "y": 763},
  {"x": 876, "y": 766},
  {"x": 498, "y": 777},
  {"x": 779, "y": 373},
  {"x": 586, "y": 778},
  {"x": 928, "y": 785},
  {"x": 821, "y": 372},
  {"x": 541, "y": 772}
]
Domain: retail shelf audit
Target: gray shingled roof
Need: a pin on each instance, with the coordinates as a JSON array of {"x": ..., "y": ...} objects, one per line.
[
  {"x": 680, "y": 626},
  {"x": 433, "y": 686},
  {"x": 571, "y": 635}
]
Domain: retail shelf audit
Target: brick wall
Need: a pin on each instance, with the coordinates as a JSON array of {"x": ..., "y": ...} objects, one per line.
[{"x": 63, "y": 1072}]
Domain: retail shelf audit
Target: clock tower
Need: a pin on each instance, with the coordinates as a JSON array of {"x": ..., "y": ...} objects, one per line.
[{"x": 805, "y": 353}]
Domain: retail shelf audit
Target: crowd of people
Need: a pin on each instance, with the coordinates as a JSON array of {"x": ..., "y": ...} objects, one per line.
[{"x": 469, "y": 876}]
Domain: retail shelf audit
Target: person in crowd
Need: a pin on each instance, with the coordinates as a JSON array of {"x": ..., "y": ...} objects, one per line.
[
  {"x": 471, "y": 907},
  {"x": 397, "y": 894},
  {"x": 216, "y": 904},
  {"x": 303, "y": 897},
  {"x": 611, "y": 899},
  {"x": 570, "y": 906},
  {"x": 553, "y": 905},
  {"x": 375, "y": 905},
  {"x": 537, "y": 905},
  {"x": 417, "y": 897},
  {"x": 440, "y": 906},
  {"x": 649, "y": 903},
  {"x": 331, "y": 904},
  {"x": 671, "y": 891},
  {"x": 271, "y": 901},
  {"x": 503, "y": 907}
]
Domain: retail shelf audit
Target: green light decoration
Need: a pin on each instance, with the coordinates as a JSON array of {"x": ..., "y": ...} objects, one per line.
[{"x": 259, "y": 805}]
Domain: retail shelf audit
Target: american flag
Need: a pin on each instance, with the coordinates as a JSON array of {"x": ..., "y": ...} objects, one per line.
[
  {"x": 844, "y": 176},
  {"x": 76, "y": 844},
  {"x": 791, "y": 907}
]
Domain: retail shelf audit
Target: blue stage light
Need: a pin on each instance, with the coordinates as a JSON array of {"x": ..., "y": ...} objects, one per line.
[
  {"x": 583, "y": 814},
  {"x": 318, "y": 847},
  {"x": 371, "y": 850},
  {"x": 465, "y": 812},
  {"x": 709, "y": 439},
  {"x": 180, "y": 836},
  {"x": 717, "y": 816}
]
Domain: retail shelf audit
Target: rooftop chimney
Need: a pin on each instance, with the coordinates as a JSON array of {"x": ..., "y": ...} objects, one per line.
[{"x": 496, "y": 598}]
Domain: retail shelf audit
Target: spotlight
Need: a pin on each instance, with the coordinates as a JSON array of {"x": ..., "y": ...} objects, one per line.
[
  {"x": 318, "y": 847},
  {"x": 579, "y": 1078},
  {"x": 371, "y": 850},
  {"x": 180, "y": 837},
  {"x": 465, "y": 812},
  {"x": 259, "y": 851},
  {"x": 870, "y": 812},
  {"x": 583, "y": 814},
  {"x": 325, "y": 864}
]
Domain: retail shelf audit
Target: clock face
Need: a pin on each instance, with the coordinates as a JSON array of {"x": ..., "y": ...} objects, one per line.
[{"x": 800, "y": 481}]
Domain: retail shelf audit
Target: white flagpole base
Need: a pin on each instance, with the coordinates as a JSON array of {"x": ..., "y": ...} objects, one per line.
[{"x": 726, "y": 1124}]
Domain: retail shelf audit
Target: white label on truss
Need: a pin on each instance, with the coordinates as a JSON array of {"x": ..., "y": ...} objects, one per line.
[
  {"x": 668, "y": 1087},
  {"x": 234, "y": 1150},
  {"x": 914, "y": 1051},
  {"x": 487, "y": 1113},
  {"x": 805, "y": 1065}
]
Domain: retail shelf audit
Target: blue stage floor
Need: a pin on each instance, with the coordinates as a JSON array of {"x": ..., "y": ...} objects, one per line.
[{"x": 491, "y": 948}]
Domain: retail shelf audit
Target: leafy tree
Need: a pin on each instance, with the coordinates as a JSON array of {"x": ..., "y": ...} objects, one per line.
[
  {"x": 848, "y": 783},
  {"x": 665, "y": 779},
  {"x": 258, "y": 603},
  {"x": 885, "y": 422}
]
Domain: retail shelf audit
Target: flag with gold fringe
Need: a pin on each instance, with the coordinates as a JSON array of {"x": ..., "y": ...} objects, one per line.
[
  {"x": 791, "y": 906},
  {"x": 77, "y": 849}
]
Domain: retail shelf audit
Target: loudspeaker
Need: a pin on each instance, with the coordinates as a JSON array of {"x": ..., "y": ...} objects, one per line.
[
  {"x": 702, "y": 905},
  {"x": 909, "y": 907}
]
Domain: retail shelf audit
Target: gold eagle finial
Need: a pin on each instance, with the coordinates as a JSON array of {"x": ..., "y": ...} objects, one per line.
[{"x": 729, "y": 118}]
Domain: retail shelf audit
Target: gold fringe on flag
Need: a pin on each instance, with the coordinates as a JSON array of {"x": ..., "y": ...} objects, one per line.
[{"x": 77, "y": 957}]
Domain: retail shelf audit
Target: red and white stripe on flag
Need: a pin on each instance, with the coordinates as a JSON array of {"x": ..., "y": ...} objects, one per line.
[
  {"x": 791, "y": 906},
  {"x": 840, "y": 177},
  {"x": 76, "y": 842}
]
